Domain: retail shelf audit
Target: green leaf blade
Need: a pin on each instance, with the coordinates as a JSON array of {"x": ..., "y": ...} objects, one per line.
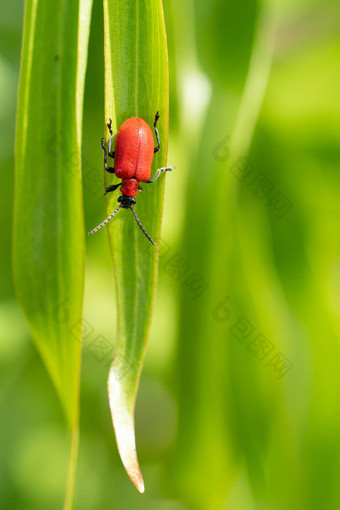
[
  {"x": 136, "y": 84},
  {"x": 48, "y": 228}
]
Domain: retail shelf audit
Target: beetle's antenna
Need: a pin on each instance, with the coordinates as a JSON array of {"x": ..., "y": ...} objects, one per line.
[
  {"x": 105, "y": 221},
  {"x": 141, "y": 226}
]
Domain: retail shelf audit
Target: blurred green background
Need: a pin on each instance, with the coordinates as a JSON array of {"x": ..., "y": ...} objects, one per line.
[{"x": 239, "y": 404}]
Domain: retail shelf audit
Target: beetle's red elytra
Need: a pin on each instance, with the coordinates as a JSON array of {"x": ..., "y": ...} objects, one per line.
[
  {"x": 134, "y": 150},
  {"x": 133, "y": 155}
]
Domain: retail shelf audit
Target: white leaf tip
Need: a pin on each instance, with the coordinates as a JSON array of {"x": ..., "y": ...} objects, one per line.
[{"x": 123, "y": 423}]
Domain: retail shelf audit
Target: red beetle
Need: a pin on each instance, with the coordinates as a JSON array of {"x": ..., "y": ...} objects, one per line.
[{"x": 133, "y": 157}]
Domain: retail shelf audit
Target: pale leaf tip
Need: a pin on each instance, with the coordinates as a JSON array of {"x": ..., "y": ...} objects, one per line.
[{"x": 123, "y": 422}]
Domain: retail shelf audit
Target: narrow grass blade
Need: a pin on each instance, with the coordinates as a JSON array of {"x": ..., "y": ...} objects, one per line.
[
  {"x": 136, "y": 84},
  {"x": 48, "y": 232}
]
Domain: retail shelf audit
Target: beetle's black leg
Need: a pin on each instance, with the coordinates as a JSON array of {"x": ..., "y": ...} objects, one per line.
[
  {"x": 111, "y": 154},
  {"x": 108, "y": 168},
  {"x": 156, "y": 149},
  {"x": 113, "y": 187},
  {"x": 158, "y": 173}
]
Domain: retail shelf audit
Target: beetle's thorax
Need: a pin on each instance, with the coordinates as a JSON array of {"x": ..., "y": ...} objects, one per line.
[{"x": 129, "y": 187}]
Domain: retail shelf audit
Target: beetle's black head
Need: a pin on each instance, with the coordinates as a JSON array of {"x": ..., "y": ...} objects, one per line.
[{"x": 126, "y": 202}]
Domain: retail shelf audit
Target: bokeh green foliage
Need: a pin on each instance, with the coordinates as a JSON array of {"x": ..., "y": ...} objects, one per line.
[{"x": 215, "y": 427}]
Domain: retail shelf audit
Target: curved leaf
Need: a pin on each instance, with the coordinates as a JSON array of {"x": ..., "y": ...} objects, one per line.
[
  {"x": 48, "y": 235},
  {"x": 136, "y": 84}
]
